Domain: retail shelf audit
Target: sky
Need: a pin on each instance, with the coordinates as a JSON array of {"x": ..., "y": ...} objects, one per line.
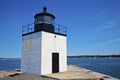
[{"x": 93, "y": 26}]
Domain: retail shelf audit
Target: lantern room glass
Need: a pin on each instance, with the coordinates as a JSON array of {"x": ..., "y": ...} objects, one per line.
[{"x": 44, "y": 19}]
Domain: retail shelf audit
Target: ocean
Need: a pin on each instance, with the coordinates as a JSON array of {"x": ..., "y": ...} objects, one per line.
[{"x": 108, "y": 66}]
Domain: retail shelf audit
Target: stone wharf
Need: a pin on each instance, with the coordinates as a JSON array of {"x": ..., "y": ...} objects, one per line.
[{"x": 44, "y": 49}]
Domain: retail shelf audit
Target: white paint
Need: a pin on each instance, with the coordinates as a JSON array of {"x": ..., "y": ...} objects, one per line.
[
  {"x": 31, "y": 53},
  {"x": 37, "y": 49}
]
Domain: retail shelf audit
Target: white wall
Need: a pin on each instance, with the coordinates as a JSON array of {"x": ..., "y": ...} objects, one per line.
[
  {"x": 37, "y": 49},
  {"x": 53, "y": 43},
  {"x": 31, "y": 53}
]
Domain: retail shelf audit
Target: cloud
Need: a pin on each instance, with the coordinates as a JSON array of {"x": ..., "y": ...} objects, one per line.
[
  {"x": 106, "y": 25},
  {"x": 110, "y": 22},
  {"x": 109, "y": 42},
  {"x": 99, "y": 14}
]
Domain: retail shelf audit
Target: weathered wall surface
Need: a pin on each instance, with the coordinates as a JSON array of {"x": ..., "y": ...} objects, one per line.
[
  {"x": 37, "y": 49},
  {"x": 31, "y": 53}
]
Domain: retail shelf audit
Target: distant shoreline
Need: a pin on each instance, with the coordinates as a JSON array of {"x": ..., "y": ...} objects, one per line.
[
  {"x": 79, "y": 56},
  {"x": 8, "y": 58},
  {"x": 2, "y": 58},
  {"x": 95, "y": 56}
]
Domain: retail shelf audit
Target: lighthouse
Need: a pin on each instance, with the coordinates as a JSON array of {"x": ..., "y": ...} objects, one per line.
[{"x": 44, "y": 46}]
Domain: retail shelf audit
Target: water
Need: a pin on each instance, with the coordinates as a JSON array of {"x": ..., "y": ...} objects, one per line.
[
  {"x": 109, "y": 66},
  {"x": 9, "y": 64}
]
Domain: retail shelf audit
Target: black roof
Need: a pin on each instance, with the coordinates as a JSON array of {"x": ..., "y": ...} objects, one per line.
[{"x": 44, "y": 13}]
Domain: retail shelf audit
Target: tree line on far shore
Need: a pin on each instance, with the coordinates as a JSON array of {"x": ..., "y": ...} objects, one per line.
[{"x": 95, "y": 56}]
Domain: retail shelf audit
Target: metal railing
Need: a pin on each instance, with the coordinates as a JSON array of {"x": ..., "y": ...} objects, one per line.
[
  {"x": 60, "y": 29},
  {"x": 29, "y": 28}
]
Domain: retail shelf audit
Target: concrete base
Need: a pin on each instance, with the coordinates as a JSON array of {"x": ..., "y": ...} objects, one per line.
[
  {"x": 79, "y": 73},
  {"x": 73, "y": 73}
]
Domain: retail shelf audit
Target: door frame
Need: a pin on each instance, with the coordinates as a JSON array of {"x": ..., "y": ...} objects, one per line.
[{"x": 55, "y": 62}]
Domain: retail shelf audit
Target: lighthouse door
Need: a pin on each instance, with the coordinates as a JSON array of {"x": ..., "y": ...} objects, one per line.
[{"x": 55, "y": 62}]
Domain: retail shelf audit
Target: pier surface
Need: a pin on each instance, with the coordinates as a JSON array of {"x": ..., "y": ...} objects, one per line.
[
  {"x": 79, "y": 73},
  {"x": 73, "y": 73}
]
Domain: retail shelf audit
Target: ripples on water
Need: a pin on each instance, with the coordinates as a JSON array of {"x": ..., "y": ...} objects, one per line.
[
  {"x": 9, "y": 64},
  {"x": 109, "y": 66}
]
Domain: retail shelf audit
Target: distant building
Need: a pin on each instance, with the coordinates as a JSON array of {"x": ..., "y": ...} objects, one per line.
[{"x": 44, "y": 50}]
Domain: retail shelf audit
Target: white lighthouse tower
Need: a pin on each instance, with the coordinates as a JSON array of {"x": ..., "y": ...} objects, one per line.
[{"x": 44, "y": 49}]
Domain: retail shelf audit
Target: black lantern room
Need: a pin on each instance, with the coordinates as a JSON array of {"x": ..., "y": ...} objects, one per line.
[{"x": 44, "y": 21}]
